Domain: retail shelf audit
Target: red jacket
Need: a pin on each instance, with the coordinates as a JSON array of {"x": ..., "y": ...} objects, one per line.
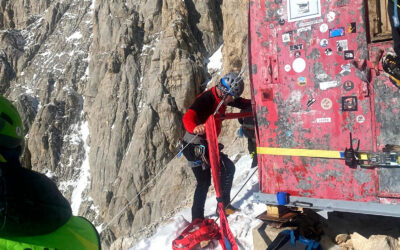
[{"x": 205, "y": 105}]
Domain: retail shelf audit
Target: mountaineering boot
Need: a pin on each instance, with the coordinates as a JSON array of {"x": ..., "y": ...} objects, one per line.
[
  {"x": 391, "y": 66},
  {"x": 231, "y": 209}
]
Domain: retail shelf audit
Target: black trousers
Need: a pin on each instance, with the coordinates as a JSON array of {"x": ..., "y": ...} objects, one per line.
[
  {"x": 395, "y": 31},
  {"x": 203, "y": 178},
  {"x": 251, "y": 144}
]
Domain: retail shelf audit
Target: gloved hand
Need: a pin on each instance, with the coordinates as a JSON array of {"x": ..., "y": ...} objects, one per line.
[{"x": 240, "y": 132}]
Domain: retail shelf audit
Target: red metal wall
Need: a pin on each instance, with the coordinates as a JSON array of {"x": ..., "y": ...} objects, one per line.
[{"x": 309, "y": 95}]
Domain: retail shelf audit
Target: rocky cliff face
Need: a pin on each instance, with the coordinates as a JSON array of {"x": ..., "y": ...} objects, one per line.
[{"x": 102, "y": 87}]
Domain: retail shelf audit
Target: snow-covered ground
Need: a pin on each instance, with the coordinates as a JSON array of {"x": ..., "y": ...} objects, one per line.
[{"x": 241, "y": 223}]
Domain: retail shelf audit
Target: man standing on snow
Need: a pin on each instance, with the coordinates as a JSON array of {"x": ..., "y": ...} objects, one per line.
[{"x": 226, "y": 93}]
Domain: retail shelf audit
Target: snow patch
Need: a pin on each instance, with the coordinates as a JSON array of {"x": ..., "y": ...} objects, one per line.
[
  {"x": 28, "y": 90},
  {"x": 49, "y": 173},
  {"x": 84, "y": 175},
  {"x": 215, "y": 61},
  {"x": 165, "y": 235},
  {"x": 86, "y": 75},
  {"x": 76, "y": 36}
]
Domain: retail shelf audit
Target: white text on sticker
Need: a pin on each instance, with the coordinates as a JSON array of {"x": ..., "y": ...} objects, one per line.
[{"x": 323, "y": 120}]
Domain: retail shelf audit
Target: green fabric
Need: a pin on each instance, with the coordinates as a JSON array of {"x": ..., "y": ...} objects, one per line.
[
  {"x": 77, "y": 234},
  {"x": 10, "y": 125}
]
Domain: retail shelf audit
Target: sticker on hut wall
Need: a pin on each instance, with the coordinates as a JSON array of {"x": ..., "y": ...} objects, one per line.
[
  {"x": 348, "y": 54},
  {"x": 279, "y": 11},
  {"x": 297, "y": 54},
  {"x": 324, "y": 43},
  {"x": 326, "y": 103},
  {"x": 342, "y": 45},
  {"x": 310, "y": 102},
  {"x": 336, "y": 32},
  {"x": 331, "y": 16},
  {"x": 323, "y": 28},
  {"x": 349, "y": 103},
  {"x": 322, "y": 76},
  {"x": 300, "y": 25},
  {"x": 346, "y": 69},
  {"x": 304, "y": 29},
  {"x": 299, "y": 65},
  {"x": 341, "y": 3},
  {"x": 328, "y": 85},
  {"x": 328, "y": 51},
  {"x": 286, "y": 37},
  {"x": 360, "y": 119},
  {"x": 302, "y": 81},
  {"x": 323, "y": 120},
  {"x": 287, "y": 68},
  {"x": 348, "y": 85},
  {"x": 351, "y": 28},
  {"x": 296, "y": 47},
  {"x": 281, "y": 21},
  {"x": 303, "y": 9}
]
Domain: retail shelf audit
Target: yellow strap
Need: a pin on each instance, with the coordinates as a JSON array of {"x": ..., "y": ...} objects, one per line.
[
  {"x": 331, "y": 154},
  {"x": 363, "y": 156},
  {"x": 300, "y": 152}
]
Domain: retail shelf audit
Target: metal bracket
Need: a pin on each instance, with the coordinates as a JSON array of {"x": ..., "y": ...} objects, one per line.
[{"x": 374, "y": 208}]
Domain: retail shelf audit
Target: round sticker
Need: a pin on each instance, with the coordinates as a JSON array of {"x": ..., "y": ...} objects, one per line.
[
  {"x": 297, "y": 54},
  {"x": 360, "y": 119},
  {"x": 299, "y": 65},
  {"x": 326, "y": 103},
  {"x": 281, "y": 21},
  {"x": 279, "y": 11},
  {"x": 302, "y": 81},
  {"x": 348, "y": 85},
  {"x": 331, "y": 16},
  {"x": 287, "y": 68},
  {"x": 324, "y": 43},
  {"x": 328, "y": 51},
  {"x": 323, "y": 28}
]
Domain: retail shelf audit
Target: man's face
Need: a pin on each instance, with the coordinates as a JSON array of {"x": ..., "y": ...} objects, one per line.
[{"x": 228, "y": 99}]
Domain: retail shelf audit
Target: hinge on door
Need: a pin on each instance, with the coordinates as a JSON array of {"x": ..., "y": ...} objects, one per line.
[
  {"x": 271, "y": 71},
  {"x": 275, "y": 69}
]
